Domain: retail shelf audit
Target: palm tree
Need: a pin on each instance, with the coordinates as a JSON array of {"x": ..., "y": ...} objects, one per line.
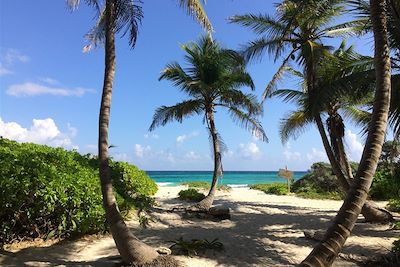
[
  {"x": 212, "y": 79},
  {"x": 298, "y": 32},
  {"x": 113, "y": 17},
  {"x": 326, "y": 251},
  {"x": 342, "y": 82}
]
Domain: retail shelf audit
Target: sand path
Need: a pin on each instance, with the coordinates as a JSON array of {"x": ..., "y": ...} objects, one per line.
[{"x": 265, "y": 230}]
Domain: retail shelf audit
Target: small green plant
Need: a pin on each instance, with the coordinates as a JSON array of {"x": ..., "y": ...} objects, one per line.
[
  {"x": 396, "y": 246},
  {"x": 191, "y": 194},
  {"x": 274, "y": 188},
  {"x": 198, "y": 184},
  {"x": 144, "y": 221},
  {"x": 194, "y": 246},
  {"x": 396, "y": 226},
  {"x": 393, "y": 205},
  {"x": 225, "y": 188}
]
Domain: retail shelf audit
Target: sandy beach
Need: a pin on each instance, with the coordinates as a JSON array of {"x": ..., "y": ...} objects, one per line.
[{"x": 265, "y": 230}]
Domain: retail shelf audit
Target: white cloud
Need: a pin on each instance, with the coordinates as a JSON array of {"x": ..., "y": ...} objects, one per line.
[
  {"x": 10, "y": 56},
  {"x": 182, "y": 138},
  {"x": 121, "y": 157},
  {"x": 249, "y": 150},
  {"x": 153, "y": 136},
  {"x": 192, "y": 155},
  {"x": 49, "y": 80},
  {"x": 289, "y": 154},
  {"x": 355, "y": 148},
  {"x": 33, "y": 89},
  {"x": 4, "y": 71},
  {"x": 316, "y": 156},
  {"x": 41, "y": 132},
  {"x": 141, "y": 151}
]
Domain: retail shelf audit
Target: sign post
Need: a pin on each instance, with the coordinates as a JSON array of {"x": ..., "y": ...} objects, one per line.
[{"x": 286, "y": 174}]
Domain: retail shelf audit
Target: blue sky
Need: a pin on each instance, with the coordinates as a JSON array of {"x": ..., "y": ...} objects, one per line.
[{"x": 50, "y": 90}]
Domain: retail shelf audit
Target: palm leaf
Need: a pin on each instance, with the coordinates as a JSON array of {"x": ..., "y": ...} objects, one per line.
[
  {"x": 178, "y": 112},
  {"x": 195, "y": 9},
  {"x": 248, "y": 122},
  {"x": 293, "y": 125}
]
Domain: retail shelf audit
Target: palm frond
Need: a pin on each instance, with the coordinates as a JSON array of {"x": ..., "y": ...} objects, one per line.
[
  {"x": 128, "y": 17},
  {"x": 238, "y": 99},
  {"x": 293, "y": 125},
  {"x": 348, "y": 29},
  {"x": 358, "y": 117},
  {"x": 195, "y": 9},
  {"x": 260, "y": 24},
  {"x": 256, "y": 49},
  {"x": 178, "y": 112},
  {"x": 272, "y": 85},
  {"x": 73, "y": 4},
  {"x": 394, "y": 111},
  {"x": 289, "y": 95},
  {"x": 248, "y": 122}
]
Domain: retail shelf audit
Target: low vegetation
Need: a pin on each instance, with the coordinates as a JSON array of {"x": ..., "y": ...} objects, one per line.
[
  {"x": 206, "y": 186},
  {"x": 274, "y": 188},
  {"x": 191, "y": 194},
  {"x": 194, "y": 246},
  {"x": 320, "y": 183},
  {"x": 51, "y": 192}
]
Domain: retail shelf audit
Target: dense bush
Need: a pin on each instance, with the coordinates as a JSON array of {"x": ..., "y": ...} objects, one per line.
[
  {"x": 130, "y": 182},
  {"x": 274, "y": 188},
  {"x": 319, "y": 183},
  {"x": 191, "y": 194},
  {"x": 384, "y": 185},
  {"x": 47, "y": 192}
]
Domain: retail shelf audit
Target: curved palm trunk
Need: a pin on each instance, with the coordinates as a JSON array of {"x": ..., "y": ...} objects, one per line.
[
  {"x": 325, "y": 252},
  {"x": 129, "y": 247},
  {"x": 206, "y": 203},
  {"x": 370, "y": 211}
]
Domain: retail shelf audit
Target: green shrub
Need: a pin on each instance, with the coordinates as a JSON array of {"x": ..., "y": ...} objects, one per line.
[
  {"x": 384, "y": 186},
  {"x": 394, "y": 205},
  {"x": 191, "y": 194},
  {"x": 274, "y": 188},
  {"x": 49, "y": 192},
  {"x": 130, "y": 182},
  {"x": 198, "y": 184}
]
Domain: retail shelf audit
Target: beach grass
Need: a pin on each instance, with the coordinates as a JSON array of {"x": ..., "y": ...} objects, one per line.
[{"x": 273, "y": 188}]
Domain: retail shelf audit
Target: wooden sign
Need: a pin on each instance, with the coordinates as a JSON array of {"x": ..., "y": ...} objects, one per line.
[{"x": 288, "y": 175}]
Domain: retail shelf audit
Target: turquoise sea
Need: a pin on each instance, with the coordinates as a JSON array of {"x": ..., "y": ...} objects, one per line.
[{"x": 231, "y": 178}]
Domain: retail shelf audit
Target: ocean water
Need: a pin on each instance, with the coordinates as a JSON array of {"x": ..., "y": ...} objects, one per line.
[{"x": 231, "y": 178}]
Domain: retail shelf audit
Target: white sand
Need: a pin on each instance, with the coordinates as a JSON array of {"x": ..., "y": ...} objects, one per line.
[{"x": 265, "y": 230}]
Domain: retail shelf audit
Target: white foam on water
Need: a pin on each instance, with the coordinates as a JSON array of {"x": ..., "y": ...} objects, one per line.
[
  {"x": 164, "y": 184},
  {"x": 238, "y": 185}
]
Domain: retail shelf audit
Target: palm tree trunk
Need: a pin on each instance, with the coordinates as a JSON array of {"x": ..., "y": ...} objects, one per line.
[
  {"x": 129, "y": 247},
  {"x": 326, "y": 251},
  {"x": 370, "y": 211},
  {"x": 207, "y": 202}
]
